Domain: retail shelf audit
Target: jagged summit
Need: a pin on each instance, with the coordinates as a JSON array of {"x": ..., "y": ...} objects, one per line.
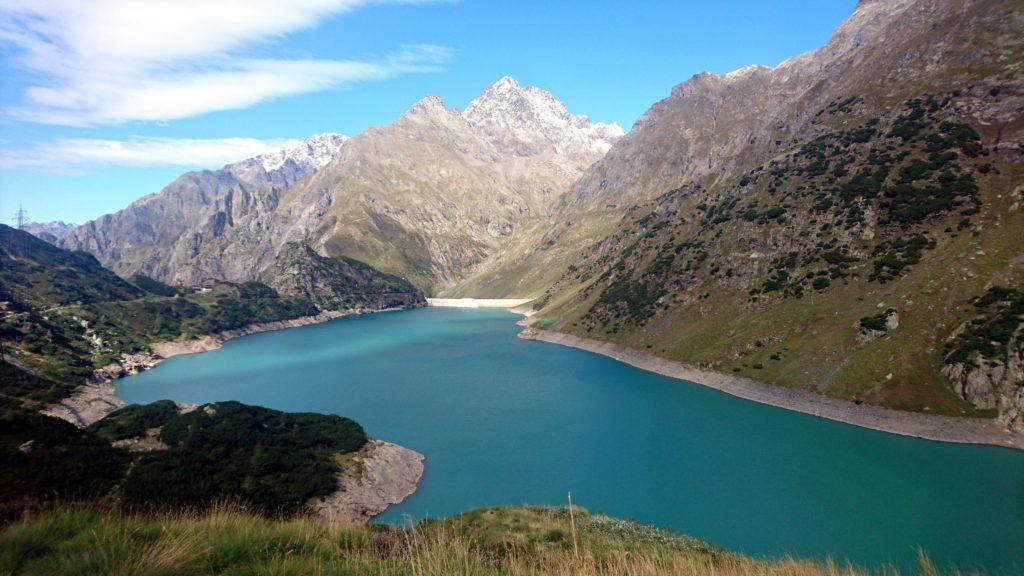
[
  {"x": 429, "y": 104},
  {"x": 745, "y": 70},
  {"x": 51, "y": 232},
  {"x": 527, "y": 121},
  {"x": 311, "y": 153}
]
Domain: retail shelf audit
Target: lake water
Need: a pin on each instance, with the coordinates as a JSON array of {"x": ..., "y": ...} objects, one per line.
[{"x": 508, "y": 421}]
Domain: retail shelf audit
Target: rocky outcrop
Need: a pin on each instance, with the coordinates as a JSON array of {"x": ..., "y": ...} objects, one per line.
[
  {"x": 52, "y": 232},
  {"x": 90, "y": 403},
  {"x": 996, "y": 382},
  {"x": 377, "y": 476},
  {"x": 530, "y": 122}
]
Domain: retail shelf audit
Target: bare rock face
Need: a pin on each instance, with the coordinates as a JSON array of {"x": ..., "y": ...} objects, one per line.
[
  {"x": 190, "y": 231},
  {"x": 985, "y": 356},
  {"x": 379, "y": 475},
  {"x": 529, "y": 121},
  {"x": 994, "y": 383}
]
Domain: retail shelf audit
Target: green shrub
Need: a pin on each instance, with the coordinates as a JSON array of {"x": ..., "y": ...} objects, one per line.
[
  {"x": 1000, "y": 314},
  {"x": 134, "y": 420},
  {"x": 876, "y": 322}
]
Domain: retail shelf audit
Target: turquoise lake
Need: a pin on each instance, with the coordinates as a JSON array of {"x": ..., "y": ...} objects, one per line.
[{"x": 508, "y": 421}]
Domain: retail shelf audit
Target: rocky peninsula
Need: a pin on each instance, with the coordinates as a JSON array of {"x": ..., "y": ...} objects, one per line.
[{"x": 379, "y": 475}]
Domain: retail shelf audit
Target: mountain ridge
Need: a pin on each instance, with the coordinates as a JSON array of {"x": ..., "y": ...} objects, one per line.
[{"x": 231, "y": 223}]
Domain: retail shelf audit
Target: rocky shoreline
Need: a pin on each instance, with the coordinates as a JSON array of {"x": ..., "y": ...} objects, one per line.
[
  {"x": 926, "y": 426},
  {"x": 97, "y": 397},
  {"x": 380, "y": 475}
]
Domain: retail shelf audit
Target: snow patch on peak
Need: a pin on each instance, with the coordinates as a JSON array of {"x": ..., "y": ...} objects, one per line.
[{"x": 311, "y": 153}]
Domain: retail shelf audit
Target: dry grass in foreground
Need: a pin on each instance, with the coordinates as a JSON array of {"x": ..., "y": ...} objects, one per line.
[{"x": 506, "y": 541}]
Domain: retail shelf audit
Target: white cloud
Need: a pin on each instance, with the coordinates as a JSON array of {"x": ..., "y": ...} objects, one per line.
[
  {"x": 79, "y": 154},
  {"x": 111, "y": 61}
]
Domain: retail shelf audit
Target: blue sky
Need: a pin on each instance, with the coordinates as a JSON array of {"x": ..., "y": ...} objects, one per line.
[{"x": 104, "y": 101}]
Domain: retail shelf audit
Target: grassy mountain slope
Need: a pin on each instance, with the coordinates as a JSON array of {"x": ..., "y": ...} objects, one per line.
[
  {"x": 712, "y": 129},
  {"x": 894, "y": 196},
  {"x": 435, "y": 193}
]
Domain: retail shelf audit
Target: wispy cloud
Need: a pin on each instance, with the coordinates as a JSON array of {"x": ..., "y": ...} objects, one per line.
[
  {"x": 111, "y": 61},
  {"x": 74, "y": 155}
]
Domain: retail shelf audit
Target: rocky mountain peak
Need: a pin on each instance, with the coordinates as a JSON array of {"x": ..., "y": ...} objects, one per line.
[
  {"x": 429, "y": 105},
  {"x": 310, "y": 153},
  {"x": 530, "y": 121},
  {"x": 51, "y": 232}
]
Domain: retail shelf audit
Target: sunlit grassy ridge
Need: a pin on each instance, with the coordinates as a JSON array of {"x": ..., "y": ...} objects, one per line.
[{"x": 508, "y": 541}]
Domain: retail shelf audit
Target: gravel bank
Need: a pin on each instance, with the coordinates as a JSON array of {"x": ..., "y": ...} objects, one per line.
[{"x": 927, "y": 426}]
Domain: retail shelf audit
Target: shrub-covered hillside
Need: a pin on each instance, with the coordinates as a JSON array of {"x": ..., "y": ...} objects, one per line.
[
  {"x": 163, "y": 457},
  {"x": 840, "y": 265}
]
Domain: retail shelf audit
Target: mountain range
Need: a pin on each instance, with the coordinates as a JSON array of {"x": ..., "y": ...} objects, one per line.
[
  {"x": 847, "y": 222},
  {"x": 427, "y": 197}
]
